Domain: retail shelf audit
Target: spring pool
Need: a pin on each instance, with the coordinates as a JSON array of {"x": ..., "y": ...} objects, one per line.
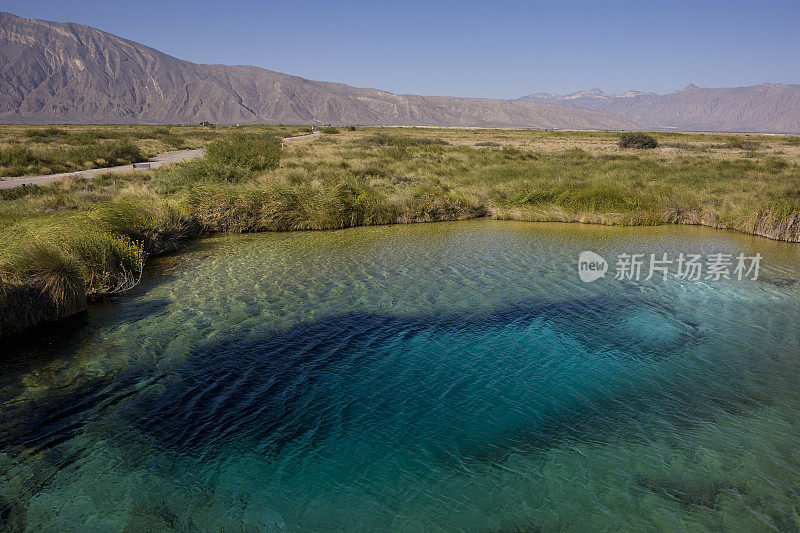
[{"x": 453, "y": 376}]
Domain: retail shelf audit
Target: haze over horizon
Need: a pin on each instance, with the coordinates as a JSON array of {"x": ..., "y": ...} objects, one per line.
[{"x": 503, "y": 50}]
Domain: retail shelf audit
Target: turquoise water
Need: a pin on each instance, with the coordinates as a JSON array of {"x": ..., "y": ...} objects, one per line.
[{"x": 453, "y": 377}]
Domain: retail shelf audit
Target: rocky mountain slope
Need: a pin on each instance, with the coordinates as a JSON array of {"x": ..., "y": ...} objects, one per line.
[
  {"x": 65, "y": 72},
  {"x": 768, "y": 107}
]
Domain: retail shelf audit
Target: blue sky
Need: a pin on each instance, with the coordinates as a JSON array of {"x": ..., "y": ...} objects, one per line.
[{"x": 488, "y": 49}]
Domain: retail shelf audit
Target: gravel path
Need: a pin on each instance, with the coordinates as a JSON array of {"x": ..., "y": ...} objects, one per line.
[{"x": 157, "y": 161}]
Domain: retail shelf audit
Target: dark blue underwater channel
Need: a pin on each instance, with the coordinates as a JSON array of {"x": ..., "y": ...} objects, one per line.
[{"x": 451, "y": 387}]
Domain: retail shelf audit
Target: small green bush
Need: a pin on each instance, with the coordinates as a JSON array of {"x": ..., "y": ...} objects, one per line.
[
  {"x": 185, "y": 175},
  {"x": 329, "y": 130},
  {"x": 742, "y": 144},
  {"x": 45, "y": 134},
  {"x": 122, "y": 151},
  {"x": 119, "y": 152},
  {"x": 637, "y": 139},
  {"x": 175, "y": 141},
  {"x": 17, "y": 157},
  {"x": 251, "y": 152},
  {"x": 792, "y": 140}
]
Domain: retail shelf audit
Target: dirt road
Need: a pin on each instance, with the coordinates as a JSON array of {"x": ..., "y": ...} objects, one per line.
[{"x": 155, "y": 162}]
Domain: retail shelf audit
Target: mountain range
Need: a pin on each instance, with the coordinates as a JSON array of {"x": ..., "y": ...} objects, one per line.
[
  {"x": 54, "y": 72},
  {"x": 769, "y": 107}
]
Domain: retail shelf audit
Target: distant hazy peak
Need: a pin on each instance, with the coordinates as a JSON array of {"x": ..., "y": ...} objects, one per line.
[{"x": 769, "y": 107}]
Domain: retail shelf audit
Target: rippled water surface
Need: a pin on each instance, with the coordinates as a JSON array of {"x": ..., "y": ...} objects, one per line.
[{"x": 430, "y": 377}]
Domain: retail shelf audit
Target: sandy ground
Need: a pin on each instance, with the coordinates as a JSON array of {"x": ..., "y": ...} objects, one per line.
[
  {"x": 315, "y": 134},
  {"x": 155, "y": 162}
]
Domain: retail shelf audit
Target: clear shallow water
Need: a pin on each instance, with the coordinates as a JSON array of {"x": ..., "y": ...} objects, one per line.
[{"x": 430, "y": 377}]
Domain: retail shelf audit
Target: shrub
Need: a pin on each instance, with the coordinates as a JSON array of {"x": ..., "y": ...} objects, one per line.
[
  {"x": 45, "y": 134},
  {"x": 742, "y": 144},
  {"x": 251, "y": 152},
  {"x": 355, "y": 203},
  {"x": 435, "y": 203},
  {"x": 637, "y": 139},
  {"x": 401, "y": 141},
  {"x": 329, "y": 130},
  {"x": 15, "y": 160},
  {"x": 89, "y": 136},
  {"x": 792, "y": 140},
  {"x": 185, "y": 175},
  {"x": 174, "y": 141},
  {"x": 122, "y": 151}
]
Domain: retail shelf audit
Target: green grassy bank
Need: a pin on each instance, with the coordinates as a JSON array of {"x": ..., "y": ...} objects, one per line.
[{"x": 66, "y": 243}]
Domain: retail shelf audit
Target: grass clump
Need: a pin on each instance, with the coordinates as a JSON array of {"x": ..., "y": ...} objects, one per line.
[
  {"x": 637, "y": 139},
  {"x": 52, "y": 264},
  {"x": 46, "y": 134},
  {"x": 38, "y": 283},
  {"x": 740, "y": 143},
  {"x": 330, "y": 130},
  {"x": 403, "y": 141},
  {"x": 50, "y": 268},
  {"x": 596, "y": 197},
  {"x": 251, "y": 152},
  {"x": 437, "y": 203},
  {"x": 792, "y": 140},
  {"x": 154, "y": 224},
  {"x": 14, "y": 160}
]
